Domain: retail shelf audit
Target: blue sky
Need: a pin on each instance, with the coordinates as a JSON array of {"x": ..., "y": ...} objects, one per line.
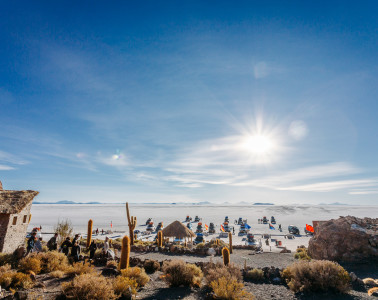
[{"x": 190, "y": 101}]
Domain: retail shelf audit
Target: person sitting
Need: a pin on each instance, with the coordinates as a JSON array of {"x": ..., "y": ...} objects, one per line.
[
  {"x": 52, "y": 244},
  {"x": 66, "y": 245}
]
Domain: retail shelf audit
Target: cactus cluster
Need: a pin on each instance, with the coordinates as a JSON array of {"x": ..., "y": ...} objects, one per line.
[
  {"x": 89, "y": 235},
  {"x": 226, "y": 256},
  {"x": 230, "y": 241},
  {"x": 125, "y": 253},
  {"x": 132, "y": 224},
  {"x": 160, "y": 239}
]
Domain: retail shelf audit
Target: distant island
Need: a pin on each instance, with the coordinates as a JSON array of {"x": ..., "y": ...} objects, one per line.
[{"x": 261, "y": 203}]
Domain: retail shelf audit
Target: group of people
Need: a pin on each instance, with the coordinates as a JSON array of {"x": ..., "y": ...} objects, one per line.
[{"x": 34, "y": 244}]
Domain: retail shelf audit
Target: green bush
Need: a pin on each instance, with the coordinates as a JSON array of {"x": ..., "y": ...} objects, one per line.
[{"x": 317, "y": 276}]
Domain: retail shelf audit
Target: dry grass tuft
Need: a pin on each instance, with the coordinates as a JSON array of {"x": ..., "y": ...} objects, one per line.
[
  {"x": 218, "y": 270},
  {"x": 317, "y": 276},
  {"x": 112, "y": 264},
  {"x": 151, "y": 266},
  {"x": 54, "y": 261},
  {"x": 177, "y": 273},
  {"x": 226, "y": 289},
  {"x": 255, "y": 275},
  {"x": 137, "y": 274},
  {"x": 89, "y": 287},
  {"x": 57, "y": 274},
  {"x": 80, "y": 268},
  {"x": 124, "y": 287}
]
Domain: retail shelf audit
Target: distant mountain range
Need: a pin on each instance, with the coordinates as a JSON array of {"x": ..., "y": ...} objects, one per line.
[
  {"x": 261, "y": 203},
  {"x": 66, "y": 202}
]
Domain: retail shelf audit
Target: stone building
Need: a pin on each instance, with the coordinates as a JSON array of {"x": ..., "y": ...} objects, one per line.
[{"x": 14, "y": 217}]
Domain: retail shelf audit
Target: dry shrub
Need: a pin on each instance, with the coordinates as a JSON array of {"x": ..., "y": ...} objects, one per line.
[
  {"x": 373, "y": 291},
  {"x": 10, "y": 279},
  {"x": 89, "y": 287},
  {"x": 151, "y": 266},
  {"x": 255, "y": 275},
  {"x": 80, "y": 268},
  {"x": 30, "y": 263},
  {"x": 57, "y": 274},
  {"x": 137, "y": 274},
  {"x": 177, "y": 273},
  {"x": 54, "y": 261},
  {"x": 227, "y": 289},
  {"x": 10, "y": 259},
  {"x": 124, "y": 287},
  {"x": 112, "y": 264},
  {"x": 64, "y": 229},
  {"x": 218, "y": 270},
  {"x": 317, "y": 275}
]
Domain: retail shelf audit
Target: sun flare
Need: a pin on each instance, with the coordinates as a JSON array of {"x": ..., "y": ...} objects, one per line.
[{"x": 258, "y": 144}]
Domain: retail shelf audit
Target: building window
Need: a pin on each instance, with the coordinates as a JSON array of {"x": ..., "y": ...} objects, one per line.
[
  {"x": 25, "y": 218},
  {"x": 14, "y": 220}
]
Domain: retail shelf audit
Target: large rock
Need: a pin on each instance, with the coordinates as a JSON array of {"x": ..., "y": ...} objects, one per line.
[{"x": 347, "y": 239}]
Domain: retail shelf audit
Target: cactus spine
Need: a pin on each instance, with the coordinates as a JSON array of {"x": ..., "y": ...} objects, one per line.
[
  {"x": 230, "y": 241},
  {"x": 132, "y": 224},
  {"x": 89, "y": 235},
  {"x": 160, "y": 239},
  {"x": 125, "y": 253},
  {"x": 226, "y": 256}
]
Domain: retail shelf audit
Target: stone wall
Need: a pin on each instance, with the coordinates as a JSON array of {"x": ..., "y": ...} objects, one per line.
[
  {"x": 16, "y": 229},
  {"x": 4, "y": 220}
]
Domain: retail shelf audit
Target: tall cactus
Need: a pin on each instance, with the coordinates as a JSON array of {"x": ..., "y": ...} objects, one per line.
[
  {"x": 226, "y": 256},
  {"x": 89, "y": 235},
  {"x": 125, "y": 253},
  {"x": 160, "y": 239},
  {"x": 132, "y": 224},
  {"x": 230, "y": 241},
  {"x": 30, "y": 218}
]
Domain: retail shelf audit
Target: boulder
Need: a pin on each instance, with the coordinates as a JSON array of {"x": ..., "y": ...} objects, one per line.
[
  {"x": 347, "y": 239},
  {"x": 211, "y": 251}
]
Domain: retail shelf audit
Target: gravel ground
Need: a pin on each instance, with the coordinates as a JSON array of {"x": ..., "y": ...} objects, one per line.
[{"x": 266, "y": 259}]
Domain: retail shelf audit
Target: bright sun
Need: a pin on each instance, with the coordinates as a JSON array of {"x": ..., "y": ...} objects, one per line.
[{"x": 258, "y": 144}]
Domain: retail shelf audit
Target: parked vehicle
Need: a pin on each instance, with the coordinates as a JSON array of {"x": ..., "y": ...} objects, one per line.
[
  {"x": 149, "y": 220},
  {"x": 199, "y": 228},
  {"x": 272, "y": 220},
  {"x": 293, "y": 229},
  {"x": 265, "y": 220},
  {"x": 197, "y": 219},
  {"x": 151, "y": 227}
]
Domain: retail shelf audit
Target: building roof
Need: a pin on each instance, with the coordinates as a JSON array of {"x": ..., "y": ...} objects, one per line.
[
  {"x": 177, "y": 229},
  {"x": 12, "y": 202}
]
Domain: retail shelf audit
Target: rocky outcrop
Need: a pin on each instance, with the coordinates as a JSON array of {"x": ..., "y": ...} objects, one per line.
[{"x": 347, "y": 239}]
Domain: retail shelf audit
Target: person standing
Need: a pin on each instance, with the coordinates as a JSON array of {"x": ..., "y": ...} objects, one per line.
[
  {"x": 75, "y": 239},
  {"x": 31, "y": 242},
  {"x": 92, "y": 249},
  {"x": 52, "y": 244},
  {"x": 75, "y": 251},
  {"x": 38, "y": 245},
  {"x": 106, "y": 247}
]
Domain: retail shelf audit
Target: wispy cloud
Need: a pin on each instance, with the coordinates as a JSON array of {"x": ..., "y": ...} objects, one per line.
[{"x": 5, "y": 168}]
